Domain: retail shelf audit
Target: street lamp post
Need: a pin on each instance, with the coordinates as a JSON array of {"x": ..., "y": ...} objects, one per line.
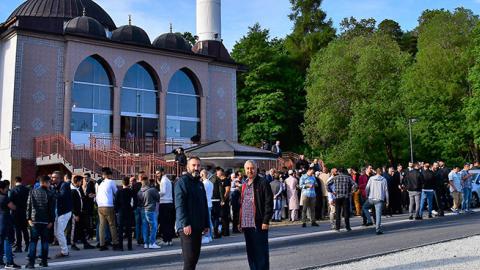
[{"x": 410, "y": 122}]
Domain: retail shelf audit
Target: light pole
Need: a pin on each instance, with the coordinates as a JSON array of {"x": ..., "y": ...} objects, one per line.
[{"x": 410, "y": 122}]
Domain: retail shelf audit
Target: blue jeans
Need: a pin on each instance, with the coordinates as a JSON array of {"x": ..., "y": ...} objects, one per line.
[
  {"x": 38, "y": 231},
  {"x": 378, "y": 212},
  {"x": 138, "y": 225},
  {"x": 149, "y": 227},
  {"x": 426, "y": 195},
  {"x": 467, "y": 197},
  {"x": 211, "y": 222},
  {"x": 6, "y": 247}
]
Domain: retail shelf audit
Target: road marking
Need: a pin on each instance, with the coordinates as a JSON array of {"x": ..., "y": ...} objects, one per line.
[{"x": 118, "y": 258}]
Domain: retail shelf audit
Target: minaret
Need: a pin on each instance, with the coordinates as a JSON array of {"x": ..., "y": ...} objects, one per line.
[{"x": 209, "y": 20}]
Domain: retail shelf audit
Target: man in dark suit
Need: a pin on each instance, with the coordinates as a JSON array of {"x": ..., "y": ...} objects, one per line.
[
  {"x": 19, "y": 197},
  {"x": 276, "y": 149},
  {"x": 192, "y": 213}
]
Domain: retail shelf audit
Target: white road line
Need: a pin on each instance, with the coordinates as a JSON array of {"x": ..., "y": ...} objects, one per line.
[{"x": 214, "y": 247}]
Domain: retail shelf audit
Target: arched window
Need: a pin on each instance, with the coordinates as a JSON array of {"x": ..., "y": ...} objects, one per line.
[
  {"x": 139, "y": 104},
  {"x": 183, "y": 107},
  {"x": 91, "y": 101}
]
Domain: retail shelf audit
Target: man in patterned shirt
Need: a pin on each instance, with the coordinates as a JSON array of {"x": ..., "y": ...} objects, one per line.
[
  {"x": 344, "y": 185},
  {"x": 255, "y": 213}
]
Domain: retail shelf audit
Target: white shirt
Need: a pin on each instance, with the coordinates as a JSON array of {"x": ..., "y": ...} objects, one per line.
[
  {"x": 105, "y": 193},
  {"x": 209, "y": 190},
  {"x": 166, "y": 195}
]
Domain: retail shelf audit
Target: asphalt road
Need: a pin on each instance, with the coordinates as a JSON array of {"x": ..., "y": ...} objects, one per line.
[{"x": 293, "y": 247}]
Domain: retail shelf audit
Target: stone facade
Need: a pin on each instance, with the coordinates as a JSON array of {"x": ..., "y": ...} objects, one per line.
[{"x": 44, "y": 69}]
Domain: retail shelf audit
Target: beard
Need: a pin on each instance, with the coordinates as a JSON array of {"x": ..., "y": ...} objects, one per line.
[{"x": 196, "y": 174}]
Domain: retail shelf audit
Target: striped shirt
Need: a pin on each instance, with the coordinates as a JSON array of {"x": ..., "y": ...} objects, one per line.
[{"x": 248, "y": 212}]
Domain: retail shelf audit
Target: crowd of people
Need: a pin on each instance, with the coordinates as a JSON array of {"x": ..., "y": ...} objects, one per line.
[{"x": 73, "y": 211}]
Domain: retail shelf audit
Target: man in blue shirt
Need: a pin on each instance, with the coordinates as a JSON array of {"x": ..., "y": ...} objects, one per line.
[{"x": 308, "y": 182}]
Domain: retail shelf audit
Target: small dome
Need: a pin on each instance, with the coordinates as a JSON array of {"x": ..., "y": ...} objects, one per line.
[
  {"x": 172, "y": 41},
  {"x": 64, "y": 9},
  {"x": 86, "y": 26},
  {"x": 131, "y": 34}
]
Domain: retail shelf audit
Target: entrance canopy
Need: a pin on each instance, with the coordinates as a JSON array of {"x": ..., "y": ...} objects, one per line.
[{"x": 226, "y": 154}]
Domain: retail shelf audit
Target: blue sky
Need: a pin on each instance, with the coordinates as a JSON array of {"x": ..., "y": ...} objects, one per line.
[{"x": 155, "y": 15}]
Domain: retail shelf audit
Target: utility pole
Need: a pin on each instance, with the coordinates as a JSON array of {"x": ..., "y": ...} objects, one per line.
[{"x": 410, "y": 122}]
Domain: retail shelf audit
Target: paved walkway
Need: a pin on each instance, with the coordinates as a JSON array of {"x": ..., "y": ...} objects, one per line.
[
  {"x": 278, "y": 234},
  {"x": 455, "y": 255}
]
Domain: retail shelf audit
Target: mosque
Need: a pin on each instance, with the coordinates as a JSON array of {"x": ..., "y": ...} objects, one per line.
[{"x": 66, "y": 68}]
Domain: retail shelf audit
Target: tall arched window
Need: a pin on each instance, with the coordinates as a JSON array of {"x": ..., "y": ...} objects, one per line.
[
  {"x": 139, "y": 104},
  {"x": 183, "y": 107},
  {"x": 91, "y": 101}
]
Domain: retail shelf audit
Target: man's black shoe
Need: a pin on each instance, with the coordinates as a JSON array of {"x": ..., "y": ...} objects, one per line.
[
  {"x": 117, "y": 248},
  {"x": 349, "y": 229},
  {"x": 30, "y": 266},
  {"x": 103, "y": 248},
  {"x": 304, "y": 225},
  {"x": 74, "y": 247},
  {"x": 314, "y": 224},
  {"x": 418, "y": 218},
  {"x": 12, "y": 266},
  {"x": 410, "y": 217},
  {"x": 43, "y": 264},
  {"x": 88, "y": 246},
  {"x": 379, "y": 232},
  {"x": 369, "y": 224},
  {"x": 430, "y": 216}
]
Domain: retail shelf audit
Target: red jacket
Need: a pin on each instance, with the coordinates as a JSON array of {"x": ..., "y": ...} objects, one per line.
[{"x": 362, "y": 184}]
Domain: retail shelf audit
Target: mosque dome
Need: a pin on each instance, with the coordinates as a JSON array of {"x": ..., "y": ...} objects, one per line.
[
  {"x": 85, "y": 26},
  {"x": 131, "y": 34},
  {"x": 172, "y": 41}
]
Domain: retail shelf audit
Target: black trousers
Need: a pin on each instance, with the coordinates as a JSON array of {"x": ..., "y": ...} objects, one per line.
[
  {"x": 191, "y": 245},
  {"x": 342, "y": 204},
  {"x": 124, "y": 227},
  {"x": 79, "y": 229},
  {"x": 166, "y": 219},
  {"x": 216, "y": 217},
  {"x": 226, "y": 219},
  {"x": 21, "y": 228},
  {"x": 256, "y": 241}
]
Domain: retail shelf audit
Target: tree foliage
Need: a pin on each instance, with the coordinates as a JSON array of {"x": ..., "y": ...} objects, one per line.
[
  {"x": 436, "y": 85},
  {"x": 268, "y": 91},
  {"x": 311, "y": 31},
  {"x": 353, "y": 100}
]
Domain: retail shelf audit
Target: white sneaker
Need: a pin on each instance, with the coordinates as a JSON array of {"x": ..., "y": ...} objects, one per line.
[
  {"x": 435, "y": 213},
  {"x": 145, "y": 246},
  {"x": 154, "y": 246}
]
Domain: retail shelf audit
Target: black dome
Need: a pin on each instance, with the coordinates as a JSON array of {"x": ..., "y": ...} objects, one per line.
[
  {"x": 86, "y": 26},
  {"x": 172, "y": 41},
  {"x": 66, "y": 9},
  {"x": 131, "y": 34}
]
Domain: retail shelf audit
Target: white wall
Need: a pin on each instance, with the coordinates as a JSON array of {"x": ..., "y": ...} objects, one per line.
[{"x": 8, "y": 53}]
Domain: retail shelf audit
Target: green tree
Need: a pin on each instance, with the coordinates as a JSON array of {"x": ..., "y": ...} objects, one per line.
[
  {"x": 472, "y": 101},
  {"x": 189, "y": 37},
  {"x": 435, "y": 87},
  {"x": 311, "y": 31},
  {"x": 268, "y": 99},
  {"x": 351, "y": 27},
  {"x": 391, "y": 28},
  {"x": 353, "y": 100}
]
